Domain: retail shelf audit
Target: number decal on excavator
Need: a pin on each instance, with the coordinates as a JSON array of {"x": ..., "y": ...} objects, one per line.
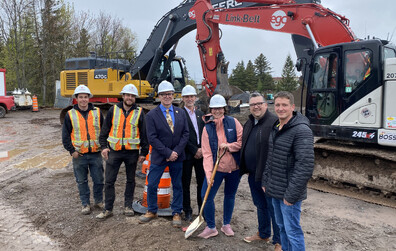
[
  {"x": 391, "y": 75},
  {"x": 364, "y": 135}
]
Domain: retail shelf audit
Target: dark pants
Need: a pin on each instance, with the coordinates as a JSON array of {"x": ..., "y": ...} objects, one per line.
[
  {"x": 89, "y": 163},
  {"x": 153, "y": 180},
  {"x": 265, "y": 210},
  {"x": 186, "y": 180},
  {"x": 129, "y": 157}
]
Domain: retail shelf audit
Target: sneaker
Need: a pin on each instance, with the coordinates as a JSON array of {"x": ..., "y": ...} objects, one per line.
[
  {"x": 176, "y": 222},
  {"x": 104, "y": 215},
  {"x": 256, "y": 237},
  {"x": 99, "y": 205},
  {"x": 86, "y": 209},
  {"x": 147, "y": 217},
  {"x": 128, "y": 211},
  {"x": 227, "y": 230},
  {"x": 278, "y": 247},
  {"x": 208, "y": 232}
]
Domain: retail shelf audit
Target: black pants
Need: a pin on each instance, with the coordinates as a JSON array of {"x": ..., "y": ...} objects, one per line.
[
  {"x": 186, "y": 180},
  {"x": 129, "y": 157}
]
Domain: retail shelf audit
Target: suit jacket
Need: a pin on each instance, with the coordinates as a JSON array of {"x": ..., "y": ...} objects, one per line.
[
  {"x": 161, "y": 138},
  {"x": 192, "y": 146}
]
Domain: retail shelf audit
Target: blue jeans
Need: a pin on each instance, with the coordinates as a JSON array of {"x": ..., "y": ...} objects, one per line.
[
  {"x": 153, "y": 179},
  {"x": 230, "y": 187},
  {"x": 92, "y": 163},
  {"x": 265, "y": 210},
  {"x": 288, "y": 220}
]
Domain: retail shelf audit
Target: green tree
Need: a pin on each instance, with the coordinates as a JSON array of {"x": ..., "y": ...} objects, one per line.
[
  {"x": 288, "y": 82},
  {"x": 82, "y": 46},
  {"x": 238, "y": 77},
  {"x": 250, "y": 77},
  {"x": 263, "y": 73}
]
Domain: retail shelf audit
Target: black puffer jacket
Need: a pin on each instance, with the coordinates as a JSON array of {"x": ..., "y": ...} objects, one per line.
[{"x": 290, "y": 160}]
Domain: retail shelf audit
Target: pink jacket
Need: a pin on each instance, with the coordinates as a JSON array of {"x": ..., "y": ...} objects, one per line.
[{"x": 227, "y": 163}]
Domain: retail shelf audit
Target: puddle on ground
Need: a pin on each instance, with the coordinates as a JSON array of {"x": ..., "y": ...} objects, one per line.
[
  {"x": 5, "y": 155},
  {"x": 43, "y": 160}
]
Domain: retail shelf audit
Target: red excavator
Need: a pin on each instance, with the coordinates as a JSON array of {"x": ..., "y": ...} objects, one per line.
[{"x": 350, "y": 85}]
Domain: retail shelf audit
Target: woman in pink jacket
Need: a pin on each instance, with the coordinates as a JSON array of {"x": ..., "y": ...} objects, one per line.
[{"x": 224, "y": 132}]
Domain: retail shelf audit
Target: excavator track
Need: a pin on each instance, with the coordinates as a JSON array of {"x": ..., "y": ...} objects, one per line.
[{"x": 364, "y": 172}]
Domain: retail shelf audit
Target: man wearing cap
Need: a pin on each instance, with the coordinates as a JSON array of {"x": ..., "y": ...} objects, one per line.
[
  {"x": 123, "y": 138},
  {"x": 80, "y": 136},
  {"x": 167, "y": 133},
  {"x": 193, "y": 151}
]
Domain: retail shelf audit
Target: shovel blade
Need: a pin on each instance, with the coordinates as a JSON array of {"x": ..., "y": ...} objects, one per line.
[{"x": 194, "y": 226}]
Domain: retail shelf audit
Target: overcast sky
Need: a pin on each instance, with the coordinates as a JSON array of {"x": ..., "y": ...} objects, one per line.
[{"x": 367, "y": 17}]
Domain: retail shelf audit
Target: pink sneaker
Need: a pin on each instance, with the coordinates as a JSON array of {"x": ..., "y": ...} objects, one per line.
[
  {"x": 227, "y": 230},
  {"x": 208, "y": 232}
]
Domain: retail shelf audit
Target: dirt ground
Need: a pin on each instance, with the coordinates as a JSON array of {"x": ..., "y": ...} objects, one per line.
[{"x": 40, "y": 207}]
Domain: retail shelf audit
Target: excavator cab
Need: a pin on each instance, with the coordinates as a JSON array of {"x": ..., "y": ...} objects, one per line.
[{"x": 346, "y": 94}]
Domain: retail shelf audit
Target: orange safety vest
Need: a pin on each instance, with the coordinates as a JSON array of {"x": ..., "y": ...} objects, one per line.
[
  {"x": 125, "y": 131},
  {"x": 85, "y": 133}
]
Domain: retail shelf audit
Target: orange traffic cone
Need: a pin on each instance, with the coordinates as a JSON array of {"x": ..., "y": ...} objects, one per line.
[
  {"x": 35, "y": 104},
  {"x": 163, "y": 191}
]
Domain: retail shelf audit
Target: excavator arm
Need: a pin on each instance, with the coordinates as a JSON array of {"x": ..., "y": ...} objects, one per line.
[
  {"x": 322, "y": 26},
  {"x": 169, "y": 29}
]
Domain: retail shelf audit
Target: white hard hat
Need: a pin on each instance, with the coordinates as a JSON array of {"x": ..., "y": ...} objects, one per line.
[
  {"x": 188, "y": 90},
  {"x": 130, "y": 89},
  {"x": 82, "y": 89},
  {"x": 165, "y": 86},
  {"x": 217, "y": 101}
]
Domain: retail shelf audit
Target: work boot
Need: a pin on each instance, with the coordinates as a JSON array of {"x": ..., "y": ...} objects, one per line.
[
  {"x": 99, "y": 205},
  {"x": 278, "y": 247},
  {"x": 176, "y": 222},
  {"x": 128, "y": 211},
  {"x": 147, "y": 217},
  {"x": 256, "y": 237},
  {"x": 104, "y": 215},
  {"x": 86, "y": 209},
  {"x": 208, "y": 232},
  {"x": 188, "y": 216},
  {"x": 227, "y": 230}
]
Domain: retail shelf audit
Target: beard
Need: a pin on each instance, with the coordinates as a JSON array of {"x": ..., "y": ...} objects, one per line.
[{"x": 128, "y": 103}]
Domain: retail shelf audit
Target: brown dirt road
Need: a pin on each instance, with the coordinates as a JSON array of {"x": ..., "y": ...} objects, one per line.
[{"x": 40, "y": 208}]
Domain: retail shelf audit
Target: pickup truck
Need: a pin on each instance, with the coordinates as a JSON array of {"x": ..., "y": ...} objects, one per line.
[{"x": 6, "y": 104}]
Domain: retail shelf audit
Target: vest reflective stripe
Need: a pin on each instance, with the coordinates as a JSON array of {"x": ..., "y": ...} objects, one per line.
[
  {"x": 85, "y": 132},
  {"x": 125, "y": 131}
]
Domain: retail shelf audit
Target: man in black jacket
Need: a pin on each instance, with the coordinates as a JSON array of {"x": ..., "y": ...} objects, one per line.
[
  {"x": 289, "y": 166},
  {"x": 80, "y": 136},
  {"x": 193, "y": 151},
  {"x": 124, "y": 139},
  {"x": 253, "y": 158}
]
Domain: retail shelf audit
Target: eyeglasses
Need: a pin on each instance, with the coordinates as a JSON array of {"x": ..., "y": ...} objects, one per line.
[
  {"x": 256, "y": 104},
  {"x": 166, "y": 94}
]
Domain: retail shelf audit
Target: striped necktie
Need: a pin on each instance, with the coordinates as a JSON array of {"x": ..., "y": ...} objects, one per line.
[{"x": 169, "y": 120}]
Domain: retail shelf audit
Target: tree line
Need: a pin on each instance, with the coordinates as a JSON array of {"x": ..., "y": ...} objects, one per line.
[
  {"x": 257, "y": 76},
  {"x": 38, "y": 35}
]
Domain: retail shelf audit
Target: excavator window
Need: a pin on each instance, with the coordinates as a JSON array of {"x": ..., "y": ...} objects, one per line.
[
  {"x": 324, "y": 83},
  {"x": 357, "y": 69},
  {"x": 325, "y": 71}
]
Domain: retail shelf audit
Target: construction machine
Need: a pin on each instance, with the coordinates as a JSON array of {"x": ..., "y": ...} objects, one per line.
[
  {"x": 157, "y": 61},
  {"x": 350, "y": 84}
]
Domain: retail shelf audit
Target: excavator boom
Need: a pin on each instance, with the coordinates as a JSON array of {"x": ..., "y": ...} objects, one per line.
[{"x": 324, "y": 27}]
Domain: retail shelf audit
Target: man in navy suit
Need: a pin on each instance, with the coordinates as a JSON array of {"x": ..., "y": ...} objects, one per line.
[
  {"x": 194, "y": 156},
  {"x": 167, "y": 133}
]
